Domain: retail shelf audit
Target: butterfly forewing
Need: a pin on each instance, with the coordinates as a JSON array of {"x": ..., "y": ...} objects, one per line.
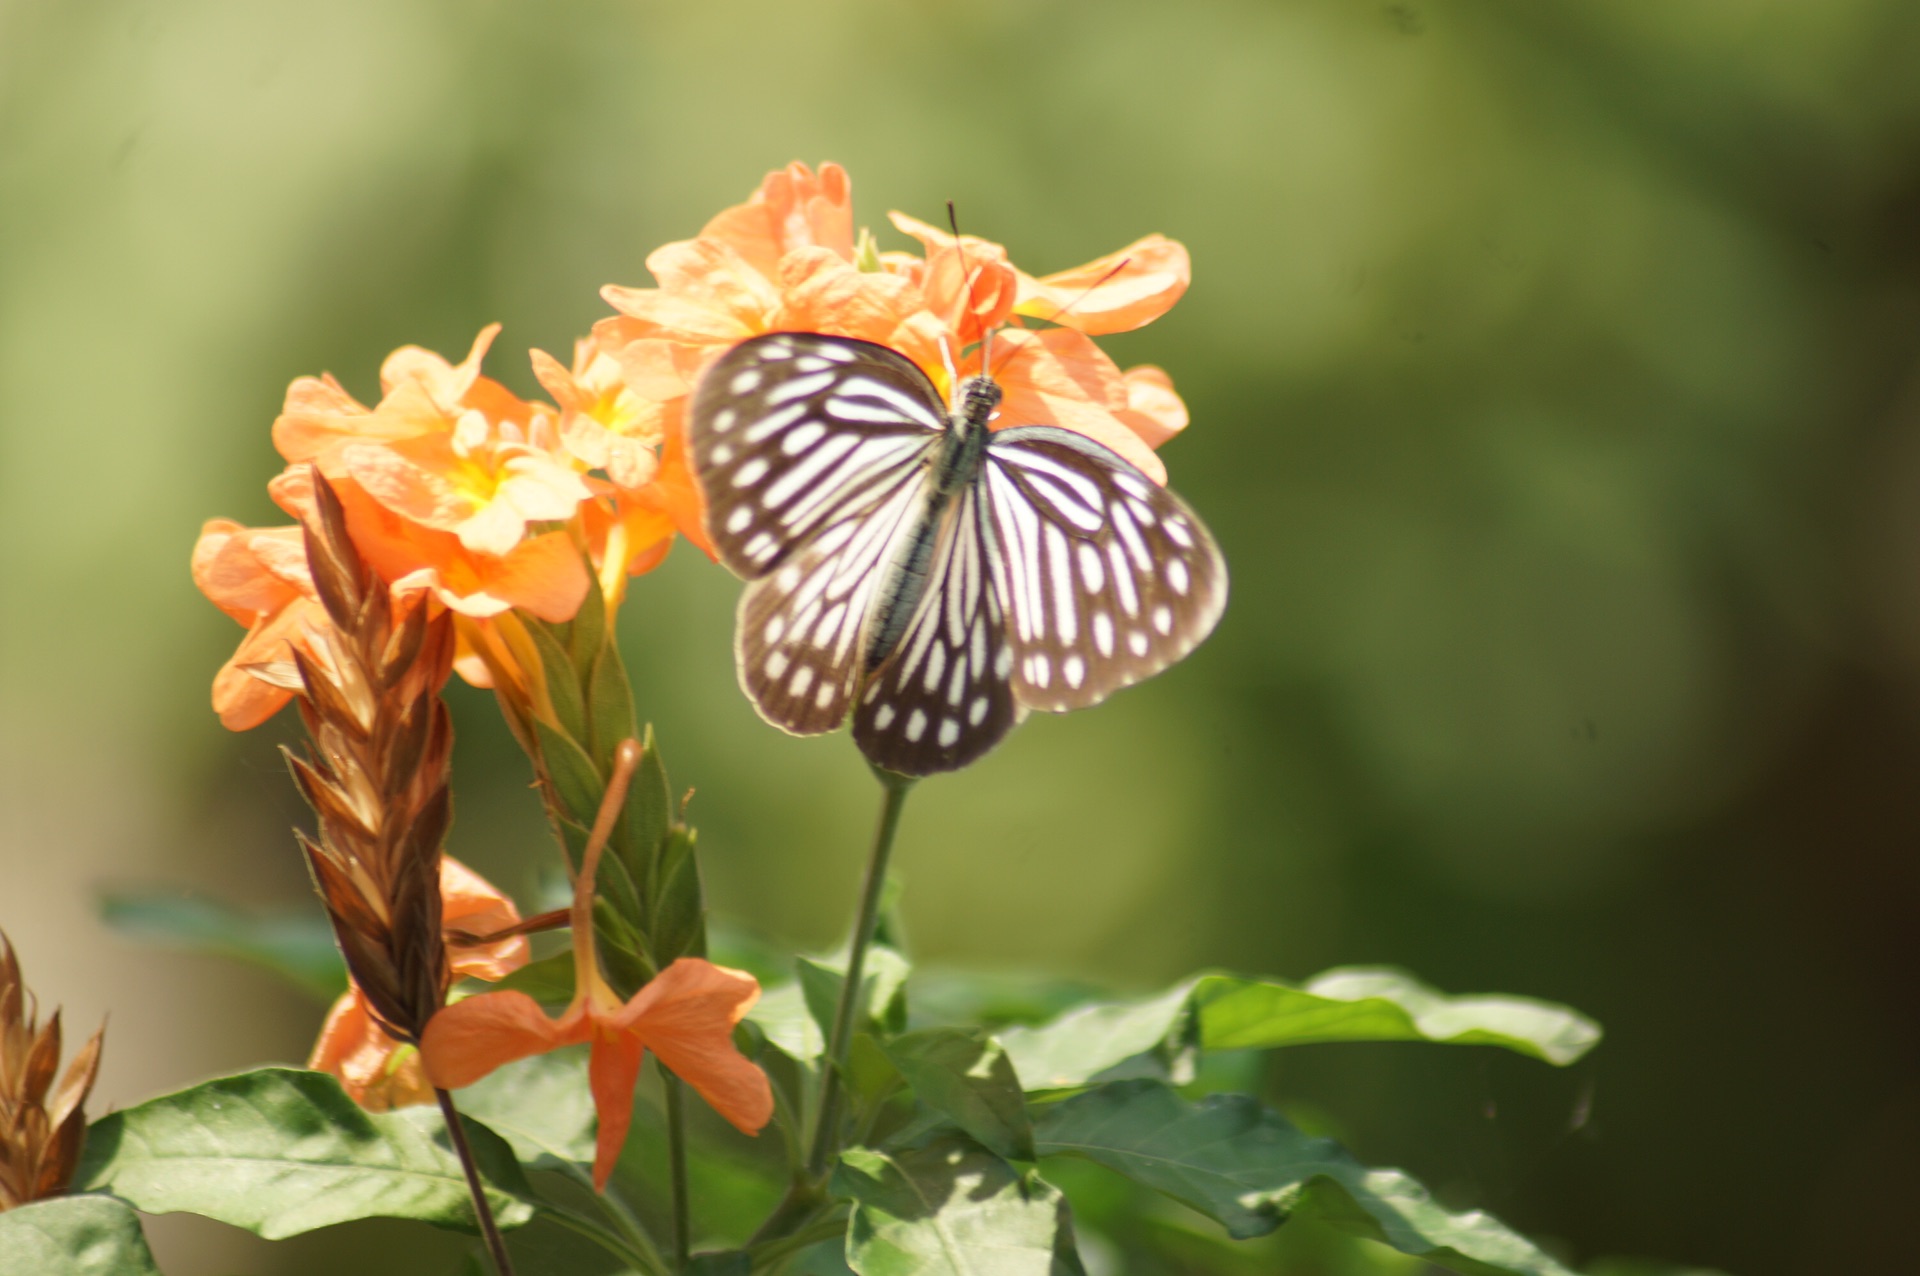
[
  {"x": 942, "y": 698},
  {"x": 1105, "y": 576},
  {"x": 791, "y": 431}
]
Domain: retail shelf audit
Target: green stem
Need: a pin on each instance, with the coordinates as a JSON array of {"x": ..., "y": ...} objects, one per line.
[
  {"x": 482, "y": 1210},
  {"x": 676, "y": 1097},
  {"x": 604, "y": 1238},
  {"x": 773, "y": 1253},
  {"x": 616, "y": 1210},
  {"x": 826, "y": 1130}
]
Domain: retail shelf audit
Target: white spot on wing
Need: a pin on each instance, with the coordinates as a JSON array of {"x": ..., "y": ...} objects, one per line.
[
  {"x": 949, "y": 732},
  {"x": 916, "y": 725},
  {"x": 1103, "y": 632},
  {"x": 883, "y": 716},
  {"x": 802, "y": 437}
]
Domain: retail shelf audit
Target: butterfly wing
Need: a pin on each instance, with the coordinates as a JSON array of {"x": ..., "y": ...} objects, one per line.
[
  {"x": 793, "y": 431},
  {"x": 943, "y": 697},
  {"x": 811, "y": 452},
  {"x": 1106, "y": 577}
]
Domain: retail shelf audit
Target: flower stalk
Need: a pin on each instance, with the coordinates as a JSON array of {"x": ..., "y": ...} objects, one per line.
[{"x": 826, "y": 1130}]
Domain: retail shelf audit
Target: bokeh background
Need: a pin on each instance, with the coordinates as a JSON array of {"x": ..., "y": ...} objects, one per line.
[{"x": 1555, "y": 375}]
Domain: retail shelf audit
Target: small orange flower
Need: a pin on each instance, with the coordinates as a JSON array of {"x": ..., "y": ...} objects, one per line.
[
  {"x": 379, "y": 1072},
  {"x": 258, "y": 576},
  {"x": 685, "y": 1015},
  {"x": 785, "y": 261}
]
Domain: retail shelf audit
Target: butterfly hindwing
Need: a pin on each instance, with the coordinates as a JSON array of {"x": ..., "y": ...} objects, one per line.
[
  {"x": 801, "y": 630},
  {"x": 790, "y": 431},
  {"x": 942, "y": 698},
  {"x": 1105, "y": 576}
]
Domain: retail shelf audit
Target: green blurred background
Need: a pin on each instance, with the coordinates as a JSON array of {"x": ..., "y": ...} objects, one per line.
[{"x": 1553, "y": 370}]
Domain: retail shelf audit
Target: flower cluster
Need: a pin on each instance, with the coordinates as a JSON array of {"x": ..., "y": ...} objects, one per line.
[
  {"x": 787, "y": 261},
  {"x": 455, "y": 487},
  {"x": 458, "y": 510}
]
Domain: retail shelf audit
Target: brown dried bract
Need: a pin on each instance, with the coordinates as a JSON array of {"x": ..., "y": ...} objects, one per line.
[
  {"x": 41, "y": 1125},
  {"x": 377, "y": 774}
]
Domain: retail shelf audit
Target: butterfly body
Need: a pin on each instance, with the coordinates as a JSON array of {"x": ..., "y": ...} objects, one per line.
[{"x": 918, "y": 569}]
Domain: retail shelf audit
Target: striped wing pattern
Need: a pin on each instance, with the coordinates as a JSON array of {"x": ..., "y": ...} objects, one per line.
[
  {"x": 1108, "y": 578},
  {"x": 811, "y": 453},
  {"x": 793, "y": 431},
  {"x": 1058, "y": 575},
  {"x": 942, "y": 697}
]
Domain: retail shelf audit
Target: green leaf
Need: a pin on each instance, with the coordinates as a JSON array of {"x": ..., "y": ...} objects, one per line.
[
  {"x": 679, "y": 907},
  {"x": 541, "y": 1106},
  {"x": 966, "y": 1077},
  {"x": 1092, "y": 1042},
  {"x": 1381, "y": 1004},
  {"x": 1109, "y": 1041},
  {"x": 650, "y": 803},
  {"x": 731, "y": 1262},
  {"x": 563, "y": 681},
  {"x": 952, "y": 1209},
  {"x": 298, "y": 946},
  {"x": 576, "y": 782},
  {"x": 609, "y": 706},
  {"x": 783, "y": 1015},
  {"x": 993, "y": 999},
  {"x": 74, "y": 1236},
  {"x": 279, "y": 1151},
  {"x": 883, "y": 976},
  {"x": 1251, "y": 1169},
  {"x": 548, "y": 981},
  {"x": 587, "y": 631}
]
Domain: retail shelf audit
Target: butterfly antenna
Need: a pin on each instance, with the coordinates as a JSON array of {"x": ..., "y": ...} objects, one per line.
[
  {"x": 966, "y": 271},
  {"x": 1086, "y": 292}
]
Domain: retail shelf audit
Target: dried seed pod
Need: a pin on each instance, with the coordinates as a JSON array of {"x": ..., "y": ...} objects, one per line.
[
  {"x": 41, "y": 1125},
  {"x": 377, "y": 774}
]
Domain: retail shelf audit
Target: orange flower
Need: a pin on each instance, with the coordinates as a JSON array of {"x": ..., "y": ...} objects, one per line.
[
  {"x": 685, "y": 1015},
  {"x": 541, "y": 573},
  {"x": 259, "y": 577},
  {"x": 379, "y": 1072},
  {"x": 785, "y": 261}
]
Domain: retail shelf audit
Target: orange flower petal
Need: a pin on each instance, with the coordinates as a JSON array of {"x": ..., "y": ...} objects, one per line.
[
  {"x": 1115, "y": 293},
  {"x": 469, "y": 1039},
  {"x": 1154, "y": 411},
  {"x": 242, "y": 700},
  {"x": 613, "y": 1069},
  {"x": 823, "y": 293},
  {"x": 792, "y": 209},
  {"x": 376, "y": 1071},
  {"x": 686, "y": 1016},
  {"x": 471, "y": 903},
  {"x": 1059, "y": 377},
  {"x": 710, "y": 273},
  {"x": 544, "y": 574},
  {"x": 249, "y": 571}
]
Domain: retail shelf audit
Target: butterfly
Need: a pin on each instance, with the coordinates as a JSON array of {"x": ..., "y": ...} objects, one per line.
[{"x": 932, "y": 576}]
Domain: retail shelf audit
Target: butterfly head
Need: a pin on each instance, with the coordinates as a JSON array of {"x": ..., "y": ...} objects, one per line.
[{"x": 977, "y": 400}]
